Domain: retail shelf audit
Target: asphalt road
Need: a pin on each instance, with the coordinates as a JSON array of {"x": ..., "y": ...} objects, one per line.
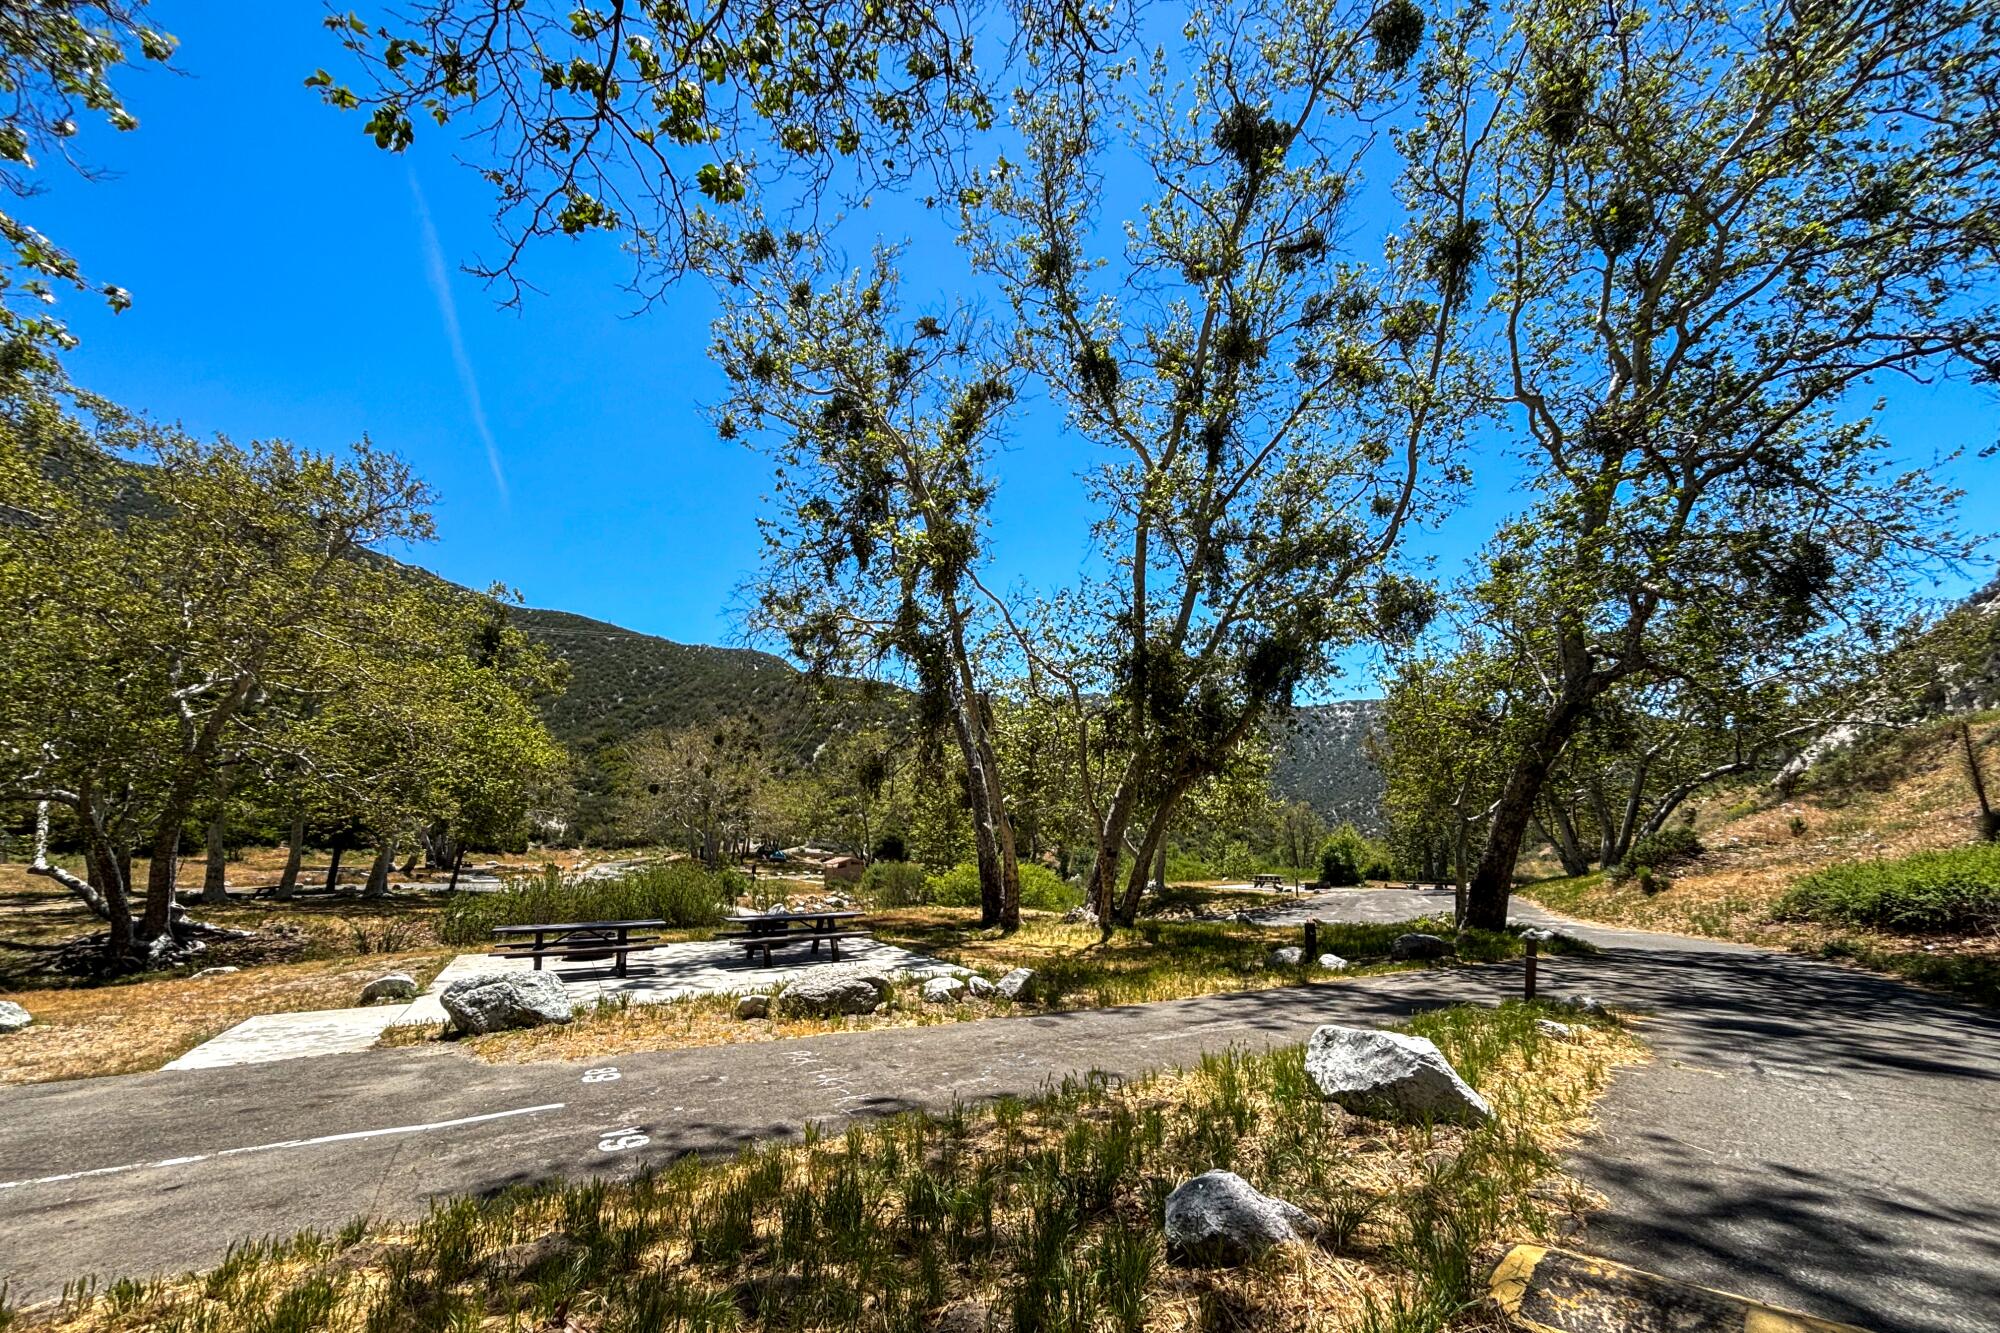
[{"x": 1807, "y": 1134}]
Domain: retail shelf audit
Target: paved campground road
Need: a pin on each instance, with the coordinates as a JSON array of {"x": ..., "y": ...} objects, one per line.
[{"x": 1807, "y": 1134}]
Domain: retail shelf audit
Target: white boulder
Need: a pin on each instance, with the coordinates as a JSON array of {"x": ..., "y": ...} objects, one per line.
[
  {"x": 826, "y": 991},
  {"x": 1289, "y": 956},
  {"x": 1333, "y": 962},
  {"x": 1018, "y": 984},
  {"x": 391, "y": 986},
  {"x": 1390, "y": 1074},
  {"x": 1220, "y": 1218},
  {"x": 943, "y": 990},
  {"x": 978, "y": 987},
  {"x": 501, "y": 1000},
  {"x": 753, "y": 1006},
  {"x": 13, "y": 1017}
]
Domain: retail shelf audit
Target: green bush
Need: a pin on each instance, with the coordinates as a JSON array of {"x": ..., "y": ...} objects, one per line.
[
  {"x": 895, "y": 884},
  {"x": 1042, "y": 890},
  {"x": 680, "y": 893},
  {"x": 1954, "y": 891},
  {"x": 1342, "y": 856},
  {"x": 1670, "y": 847}
]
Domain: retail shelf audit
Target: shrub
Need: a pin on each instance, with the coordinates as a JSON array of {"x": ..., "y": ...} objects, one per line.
[
  {"x": 889, "y": 847},
  {"x": 1342, "y": 856},
  {"x": 680, "y": 893},
  {"x": 1954, "y": 891},
  {"x": 1671, "y": 846},
  {"x": 894, "y": 884},
  {"x": 1042, "y": 890}
]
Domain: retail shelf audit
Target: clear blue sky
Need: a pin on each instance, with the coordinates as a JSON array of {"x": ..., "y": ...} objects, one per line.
[{"x": 289, "y": 279}]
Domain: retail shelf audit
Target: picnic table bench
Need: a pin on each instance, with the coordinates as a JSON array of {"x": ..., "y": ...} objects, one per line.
[
  {"x": 577, "y": 940},
  {"x": 771, "y": 930}
]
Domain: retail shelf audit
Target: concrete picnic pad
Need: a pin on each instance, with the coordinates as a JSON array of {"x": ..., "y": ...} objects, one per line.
[{"x": 653, "y": 976}]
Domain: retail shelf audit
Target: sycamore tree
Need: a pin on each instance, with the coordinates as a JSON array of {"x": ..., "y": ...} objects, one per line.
[
  {"x": 186, "y": 614},
  {"x": 880, "y": 424},
  {"x": 1703, "y": 232},
  {"x": 1265, "y": 406},
  {"x": 1442, "y": 749},
  {"x": 630, "y": 118},
  {"x": 701, "y": 786}
]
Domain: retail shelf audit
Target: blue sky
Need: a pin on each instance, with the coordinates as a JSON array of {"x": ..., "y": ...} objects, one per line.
[{"x": 290, "y": 279}]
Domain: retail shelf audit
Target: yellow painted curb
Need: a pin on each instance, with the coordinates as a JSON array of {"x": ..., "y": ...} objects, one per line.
[{"x": 1544, "y": 1290}]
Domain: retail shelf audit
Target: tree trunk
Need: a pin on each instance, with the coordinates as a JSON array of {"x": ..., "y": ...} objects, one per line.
[
  {"x": 1560, "y": 825},
  {"x": 295, "y": 851},
  {"x": 333, "y": 863},
  {"x": 161, "y": 874},
  {"x": 215, "y": 877},
  {"x": 378, "y": 872},
  {"x": 1989, "y": 823},
  {"x": 1160, "y": 866},
  {"x": 457, "y": 863},
  {"x": 1492, "y": 882},
  {"x": 410, "y": 863}
]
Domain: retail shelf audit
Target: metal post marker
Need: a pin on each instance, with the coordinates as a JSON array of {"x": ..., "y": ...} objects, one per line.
[
  {"x": 1312, "y": 942},
  {"x": 1532, "y": 939}
]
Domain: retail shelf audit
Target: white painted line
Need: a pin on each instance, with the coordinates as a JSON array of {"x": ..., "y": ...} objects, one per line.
[{"x": 287, "y": 1143}]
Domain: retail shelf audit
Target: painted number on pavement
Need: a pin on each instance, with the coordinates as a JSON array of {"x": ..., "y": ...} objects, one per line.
[
  {"x": 605, "y": 1075},
  {"x": 622, "y": 1140}
]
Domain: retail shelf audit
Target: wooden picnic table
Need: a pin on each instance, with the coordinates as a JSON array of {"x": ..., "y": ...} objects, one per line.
[
  {"x": 581, "y": 940},
  {"x": 773, "y": 929}
]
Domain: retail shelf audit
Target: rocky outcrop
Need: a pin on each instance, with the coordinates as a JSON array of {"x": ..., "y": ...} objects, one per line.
[
  {"x": 502, "y": 1000},
  {"x": 1219, "y": 1218},
  {"x": 1391, "y": 1075}
]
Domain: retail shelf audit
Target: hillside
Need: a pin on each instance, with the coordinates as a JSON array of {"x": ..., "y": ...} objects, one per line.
[
  {"x": 623, "y": 682},
  {"x": 1322, "y": 759}
]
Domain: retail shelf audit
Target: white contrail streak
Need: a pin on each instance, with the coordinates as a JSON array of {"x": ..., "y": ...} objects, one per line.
[{"x": 441, "y": 287}]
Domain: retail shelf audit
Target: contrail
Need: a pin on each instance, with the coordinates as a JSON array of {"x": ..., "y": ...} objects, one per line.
[{"x": 441, "y": 287}]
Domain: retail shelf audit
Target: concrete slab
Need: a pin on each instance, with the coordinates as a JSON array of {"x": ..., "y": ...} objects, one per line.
[
  {"x": 654, "y": 976},
  {"x": 270, "y": 1037}
]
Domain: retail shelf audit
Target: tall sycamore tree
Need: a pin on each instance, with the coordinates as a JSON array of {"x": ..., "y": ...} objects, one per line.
[
  {"x": 1702, "y": 232},
  {"x": 880, "y": 424},
  {"x": 1259, "y": 407}
]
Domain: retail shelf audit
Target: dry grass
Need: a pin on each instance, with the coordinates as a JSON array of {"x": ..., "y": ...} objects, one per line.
[
  {"x": 1917, "y": 797},
  {"x": 123, "y": 1029},
  {"x": 1047, "y": 1213}
]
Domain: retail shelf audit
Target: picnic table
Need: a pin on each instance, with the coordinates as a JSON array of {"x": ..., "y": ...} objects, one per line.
[
  {"x": 577, "y": 940},
  {"x": 769, "y": 930}
]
